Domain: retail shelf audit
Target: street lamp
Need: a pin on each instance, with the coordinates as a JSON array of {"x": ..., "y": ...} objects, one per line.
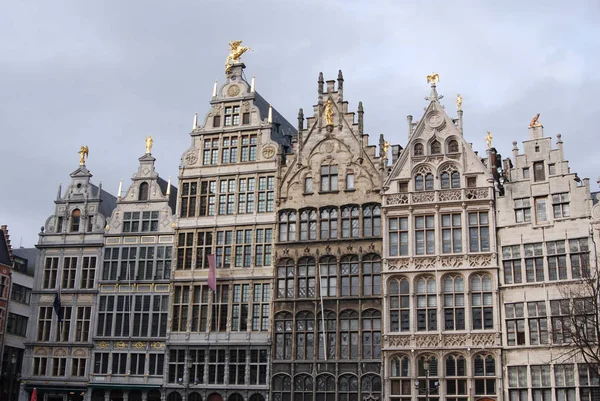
[
  {"x": 427, "y": 390},
  {"x": 13, "y": 365}
]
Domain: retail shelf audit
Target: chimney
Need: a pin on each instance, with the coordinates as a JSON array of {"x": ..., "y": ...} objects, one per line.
[{"x": 7, "y": 237}]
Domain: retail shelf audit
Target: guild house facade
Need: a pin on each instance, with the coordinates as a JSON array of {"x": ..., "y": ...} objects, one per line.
[{"x": 343, "y": 269}]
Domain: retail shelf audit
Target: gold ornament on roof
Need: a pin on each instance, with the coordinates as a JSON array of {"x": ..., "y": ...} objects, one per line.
[
  {"x": 235, "y": 52},
  {"x": 534, "y": 122},
  {"x": 433, "y": 78},
  {"x": 149, "y": 143},
  {"x": 386, "y": 146},
  {"x": 488, "y": 139},
  {"x": 83, "y": 153},
  {"x": 329, "y": 112},
  {"x": 459, "y": 100}
]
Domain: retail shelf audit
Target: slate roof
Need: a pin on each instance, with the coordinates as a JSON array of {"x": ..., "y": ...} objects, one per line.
[
  {"x": 109, "y": 202},
  {"x": 162, "y": 183},
  {"x": 29, "y": 254},
  {"x": 285, "y": 128}
]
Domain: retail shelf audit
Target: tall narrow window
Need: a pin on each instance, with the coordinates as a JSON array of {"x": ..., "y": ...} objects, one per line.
[
  {"x": 479, "y": 232},
  {"x": 308, "y": 185},
  {"x": 400, "y": 378},
  {"x": 398, "y": 236},
  {"x": 515, "y": 323},
  {"x": 419, "y": 182},
  {"x": 329, "y": 223},
  {"x": 557, "y": 260},
  {"x": 426, "y": 304},
  {"x": 305, "y": 335},
  {"x": 350, "y": 221},
  {"x": 522, "y": 210},
  {"x": 88, "y": 272},
  {"x": 451, "y": 233},
  {"x": 428, "y": 182},
  {"x": 308, "y": 224},
  {"x": 144, "y": 191},
  {"x": 371, "y": 275},
  {"x": 285, "y": 279},
  {"x": 539, "y": 171},
  {"x": 329, "y": 178},
  {"x": 349, "y": 275},
  {"x": 240, "y": 307},
  {"x": 306, "y": 278},
  {"x": 75, "y": 220},
  {"x": 517, "y": 384},
  {"x": 418, "y": 149},
  {"x": 371, "y": 334},
  {"x": 189, "y": 191},
  {"x": 50, "y": 272},
  {"x": 328, "y": 274},
  {"x": 511, "y": 261},
  {"x": 456, "y": 378},
  {"x": 534, "y": 262},
  {"x": 541, "y": 210},
  {"x": 485, "y": 375},
  {"x": 424, "y": 235},
  {"x": 349, "y": 181},
  {"x": 399, "y": 291},
  {"x": 287, "y": 226},
  {"x": 481, "y": 302},
  {"x": 564, "y": 381},
  {"x": 283, "y": 336},
  {"x": 538, "y": 323},
  {"x": 69, "y": 270},
  {"x": 199, "y": 309},
  {"x": 330, "y": 335},
  {"x": 372, "y": 221},
  {"x": 580, "y": 257},
  {"x": 454, "y": 303},
  {"x": 560, "y": 205},
  {"x": 349, "y": 335},
  {"x": 452, "y": 146}
]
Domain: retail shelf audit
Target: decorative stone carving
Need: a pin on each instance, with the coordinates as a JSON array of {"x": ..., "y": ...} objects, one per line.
[
  {"x": 481, "y": 340},
  {"x": 422, "y": 169},
  {"x": 80, "y": 352},
  {"x": 424, "y": 263},
  {"x": 480, "y": 260},
  {"x": 434, "y": 159},
  {"x": 452, "y": 261},
  {"x": 435, "y": 120},
  {"x": 60, "y": 352},
  {"x": 428, "y": 341},
  {"x": 477, "y": 193},
  {"x": 41, "y": 351},
  {"x": 397, "y": 199},
  {"x": 233, "y": 90},
  {"x": 398, "y": 264},
  {"x": 450, "y": 195},
  {"x": 398, "y": 341},
  {"x": 454, "y": 340},
  {"x": 191, "y": 158},
  {"x": 423, "y": 197}
]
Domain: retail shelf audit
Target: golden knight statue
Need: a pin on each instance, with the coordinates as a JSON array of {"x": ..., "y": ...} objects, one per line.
[
  {"x": 235, "y": 52},
  {"x": 329, "y": 112},
  {"x": 149, "y": 143},
  {"x": 83, "y": 153}
]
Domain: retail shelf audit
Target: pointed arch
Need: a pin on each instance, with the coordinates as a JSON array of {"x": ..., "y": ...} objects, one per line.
[
  {"x": 418, "y": 149},
  {"x": 75, "y": 220},
  {"x": 283, "y": 335},
  {"x": 305, "y": 335},
  {"x": 371, "y": 334}
]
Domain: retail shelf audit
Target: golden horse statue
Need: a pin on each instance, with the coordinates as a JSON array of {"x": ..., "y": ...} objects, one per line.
[{"x": 235, "y": 52}]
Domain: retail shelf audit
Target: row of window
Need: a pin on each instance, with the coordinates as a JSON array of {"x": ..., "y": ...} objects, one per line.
[
  {"x": 74, "y": 222},
  {"x": 562, "y": 260},
  {"x": 229, "y": 149},
  {"x": 69, "y": 268},
  {"x": 235, "y": 366},
  {"x": 329, "y": 180},
  {"x": 20, "y": 294},
  {"x": 237, "y": 307},
  {"x": 17, "y": 324},
  {"x": 57, "y": 366},
  {"x": 560, "y": 208},
  {"x": 330, "y": 222},
  {"x": 75, "y": 327},
  {"x": 349, "y": 336},
  {"x": 446, "y": 229},
  {"x": 542, "y": 381},
  {"x": 137, "y": 263},
  {"x": 129, "y": 363},
  {"x": 448, "y": 180},
  {"x": 457, "y": 378},
  {"x": 247, "y": 195},
  {"x": 424, "y": 303},
  {"x": 325, "y": 387},
  {"x": 240, "y": 248},
  {"x": 568, "y": 317},
  {"x": 435, "y": 147},
  {"x": 132, "y": 315},
  {"x": 348, "y": 278}
]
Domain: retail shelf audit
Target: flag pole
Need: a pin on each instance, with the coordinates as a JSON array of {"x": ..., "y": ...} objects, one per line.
[{"x": 322, "y": 312}]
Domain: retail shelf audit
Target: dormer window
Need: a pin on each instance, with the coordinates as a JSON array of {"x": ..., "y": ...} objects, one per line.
[
  {"x": 75, "y": 219},
  {"x": 436, "y": 148},
  {"x": 419, "y": 149},
  {"x": 144, "y": 190},
  {"x": 453, "y": 146}
]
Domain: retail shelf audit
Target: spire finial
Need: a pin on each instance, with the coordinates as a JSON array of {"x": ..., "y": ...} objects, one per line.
[
  {"x": 120, "y": 188},
  {"x": 253, "y": 85},
  {"x": 195, "y": 121},
  {"x": 432, "y": 79},
  {"x": 215, "y": 89},
  {"x": 270, "y": 116},
  {"x": 169, "y": 187}
]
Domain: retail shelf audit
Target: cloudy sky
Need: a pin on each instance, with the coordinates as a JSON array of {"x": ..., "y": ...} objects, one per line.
[{"x": 108, "y": 73}]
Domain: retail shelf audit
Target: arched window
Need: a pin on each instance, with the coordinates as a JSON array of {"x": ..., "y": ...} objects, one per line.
[
  {"x": 452, "y": 146},
  {"x": 484, "y": 372},
  {"x": 400, "y": 374},
  {"x": 285, "y": 279},
  {"x": 450, "y": 179},
  {"x": 418, "y": 149},
  {"x": 283, "y": 336},
  {"x": 331, "y": 325},
  {"x": 371, "y": 273},
  {"x": 436, "y": 148},
  {"x": 350, "y": 216},
  {"x": 328, "y": 273},
  {"x": 287, "y": 226},
  {"x": 325, "y": 387},
  {"x": 426, "y": 304},
  {"x": 306, "y": 278},
  {"x": 371, "y": 334},
  {"x": 308, "y": 224},
  {"x": 144, "y": 191},
  {"x": 454, "y": 303},
  {"x": 456, "y": 377},
  {"x": 329, "y": 223},
  {"x": 303, "y": 388},
  {"x": 348, "y": 388},
  {"x": 429, "y": 364},
  {"x": 349, "y": 335},
  {"x": 75, "y": 220},
  {"x": 371, "y": 220},
  {"x": 399, "y": 305},
  {"x": 235, "y": 397},
  {"x": 482, "y": 310},
  {"x": 419, "y": 183},
  {"x": 370, "y": 385},
  {"x": 305, "y": 335},
  {"x": 349, "y": 275},
  {"x": 428, "y": 182},
  {"x": 282, "y": 388}
]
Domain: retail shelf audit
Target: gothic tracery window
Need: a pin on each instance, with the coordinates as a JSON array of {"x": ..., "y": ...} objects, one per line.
[
  {"x": 285, "y": 279},
  {"x": 305, "y": 335},
  {"x": 436, "y": 148},
  {"x": 306, "y": 278},
  {"x": 283, "y": 336},
  {"x": 349, "y": 335},
  {"x": 452, "y": 146},
  {"x": 350, "y": 275},
  {"x": 399, "y": 292},
  {"x": 484, "y": 371},
  {"x": 371, "y": 334}
]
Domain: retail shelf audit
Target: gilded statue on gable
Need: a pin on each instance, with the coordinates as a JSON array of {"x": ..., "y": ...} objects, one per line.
[
  {"x": 488, "y": 139},
  {"x": 459, "y": 100},
  {"x": 535, "y": 121},
  {"x": 235, "y": 52},
  {"x": 329, "y": 112},
  {"x": 149, "y": 143},
  {"x": 83, "y": 153},
  {"x": 433, "y": 78}
]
